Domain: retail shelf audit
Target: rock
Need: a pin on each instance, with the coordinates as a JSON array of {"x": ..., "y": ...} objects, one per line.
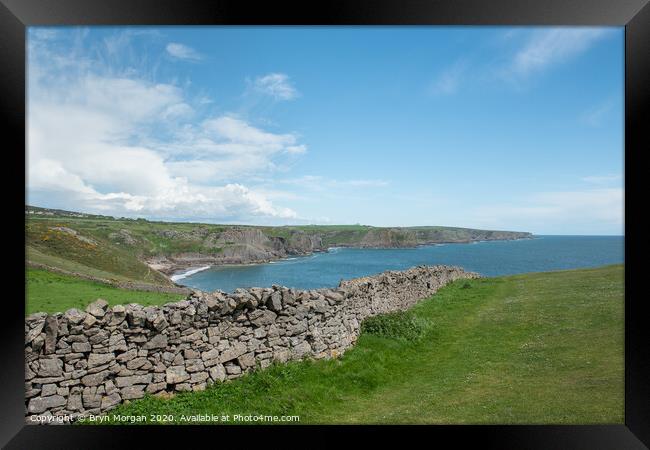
[
  {"x": 239, "y": 348},
  {"x": 133, "y": 379},
  {"x": 89, "y": 321},
  {"x": 198, "y": 377},
  {"x": 158, "y": 341},
  {"x": 127, "y": 356},
  {"x": 176, "y": 374},
  {"x": 260, "y": 317},
  {"x": 246, "y": 360},
  {"x": 81, "y": 347},
  {"x": 302, "y": 349},
  {"x": 95, "y": 379},
  {"x": 51, "y": 332},
  {"x": 97, "y": 308},
  {"x": 135, "y": 317},
  {"x": 48, "y": 389},
  {"x": 132, "y": 392},
  {"x": 160, "y": 323},
  {"x": 74, "y": 402},
  {"x": 98, "y": 359},
  {"x": 74, "y": 316},
  {"x": 52, "y": 367},
  {"x": 274, "y": 302},
  {"x": 156, "y": 387},
  {"x": 38, "y": 405},
  {"x": 232, "y": 369},
  {"x": 194, "y": 365},
  {"x": 210, "y": 354},
  {"x": 218, "y": 373},
  {"x": 110, "y": 400},
  {"x": 136, "y": 363},
  {"x": 36, "y": 330}
]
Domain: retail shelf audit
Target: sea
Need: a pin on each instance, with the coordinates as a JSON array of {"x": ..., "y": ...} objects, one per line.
[{"x": 489, "y": 258}]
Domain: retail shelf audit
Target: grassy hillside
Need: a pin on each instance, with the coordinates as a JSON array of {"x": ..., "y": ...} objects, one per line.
[
  {"x": 50, "y": 292},
  {"x": 542, "y": 348},
  {"x": 119, "y": 248}
]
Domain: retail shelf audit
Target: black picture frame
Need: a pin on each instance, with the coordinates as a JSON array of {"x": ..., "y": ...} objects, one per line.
[{"x": 16, "y": 15}]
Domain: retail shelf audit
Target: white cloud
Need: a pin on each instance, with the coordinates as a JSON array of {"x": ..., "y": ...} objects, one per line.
[
  {"x": 181, "y": 51},
  {"x": 448, "y": 81},
  {"x": 597, "y": 115},
  {"x": 94, "y": 145},
  {"x": 602, "y": 179},
  {"x": 277, "y": 85},
  {"x": 320, "y": 183},
  {"x": 548, "y": 47},
  {"x": 590, "y": 211}
]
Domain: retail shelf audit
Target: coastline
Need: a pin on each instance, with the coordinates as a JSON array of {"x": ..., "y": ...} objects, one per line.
[{"x": 182, "y": 271}]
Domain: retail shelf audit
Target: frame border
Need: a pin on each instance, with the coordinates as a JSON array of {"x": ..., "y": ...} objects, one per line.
[{"x": 16, "y": 15}]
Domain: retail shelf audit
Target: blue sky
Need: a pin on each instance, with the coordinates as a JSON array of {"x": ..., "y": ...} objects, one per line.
[{"x": 486, "y": 127}]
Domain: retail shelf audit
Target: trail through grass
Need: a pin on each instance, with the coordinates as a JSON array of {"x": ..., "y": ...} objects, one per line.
[{"x": 535, "y": 348}]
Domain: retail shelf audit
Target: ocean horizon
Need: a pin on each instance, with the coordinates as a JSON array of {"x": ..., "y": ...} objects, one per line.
[{"x": 540, "y": 253}]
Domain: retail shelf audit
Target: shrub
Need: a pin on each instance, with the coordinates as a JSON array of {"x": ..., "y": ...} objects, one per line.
[{"x": 397, "y": 325}]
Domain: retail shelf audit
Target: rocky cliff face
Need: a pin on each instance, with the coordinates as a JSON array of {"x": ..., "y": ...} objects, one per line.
[{"x": 79, "y": 363}]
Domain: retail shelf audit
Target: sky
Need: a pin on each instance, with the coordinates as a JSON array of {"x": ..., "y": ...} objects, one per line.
[{"x": 511, "y": 128}]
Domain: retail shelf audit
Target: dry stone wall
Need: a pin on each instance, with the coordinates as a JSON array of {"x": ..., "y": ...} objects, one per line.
[{"x": 79, "y": 363}]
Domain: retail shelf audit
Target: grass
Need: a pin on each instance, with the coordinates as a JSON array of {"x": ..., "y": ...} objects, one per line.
[
  {"x": 51, "y": 292},
  {"x": 544, "y": 348}
]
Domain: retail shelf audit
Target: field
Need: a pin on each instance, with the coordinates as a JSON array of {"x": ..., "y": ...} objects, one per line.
[
  {"x": 51, "y": 292},
  {"x": 544, "y": 348}
]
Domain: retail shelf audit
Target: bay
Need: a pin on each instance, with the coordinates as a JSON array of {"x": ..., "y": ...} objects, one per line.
[{"x": 493, "y": 258}]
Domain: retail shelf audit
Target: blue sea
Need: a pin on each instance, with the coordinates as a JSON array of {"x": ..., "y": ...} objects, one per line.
[{"x": 542, "y": 253}]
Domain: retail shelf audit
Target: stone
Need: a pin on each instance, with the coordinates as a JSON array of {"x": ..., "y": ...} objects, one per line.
[
  {"x": 158, "y": 341},
  {"x": 74, "y": 316},
  {"x": 81, "y": 347},
  {"x": 48, "y": 389},
  {"x": 246, "y": 360},
  {"x": 97, "y": 308},
  {"x": 239, "y": 348},
  {"x": 302, "y": 349},
  {"x": 127, "y": 356},
  {"x": 74, "y": 402},
  {"x": 38, "y": 405},
  {"x": 133, "y": 379},
  {"x": 95, "y": 379},
  {"x": 176, "y": 374},
  {"x": 194, "y": 365},
  {"x": 218, "y": 373},
  {"x": 35, "y": 331},
  {"x": 51, "y": 328},
  {"x": 136, "y": 363},
  {"x": 156, "y": 387},
  {"x": 260, "y": 318},
  {"x": 233, "y": 369},
  {"x": 111, "y": 400},
  {"x": 210, "y": 354},
  {"x": 52, "y": 367},
  {"x": 198, "y": 377},
  {"x": 91, "y": 398},
  {"x": 274, "y": 302},
  {"x": 135, "y": 317},
  {"x": 132, "y": 392},
  {"x": 98, "y": 359},
  {"x": 160, "y": 323}
]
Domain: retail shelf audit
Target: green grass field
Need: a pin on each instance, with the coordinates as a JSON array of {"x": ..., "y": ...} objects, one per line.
[
  {"x": 542, "y": 348},
  {"x": 51, "y": 292}
]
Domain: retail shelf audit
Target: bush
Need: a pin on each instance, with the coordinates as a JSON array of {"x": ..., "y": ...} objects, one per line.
[{"x": 397, "y": 325}]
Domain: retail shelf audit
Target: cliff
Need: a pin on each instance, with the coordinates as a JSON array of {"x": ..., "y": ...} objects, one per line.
[{"x": 124, "y": 250}]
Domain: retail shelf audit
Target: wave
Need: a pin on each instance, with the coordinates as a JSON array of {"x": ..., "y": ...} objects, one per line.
[{"x": 180, "y": 276}]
